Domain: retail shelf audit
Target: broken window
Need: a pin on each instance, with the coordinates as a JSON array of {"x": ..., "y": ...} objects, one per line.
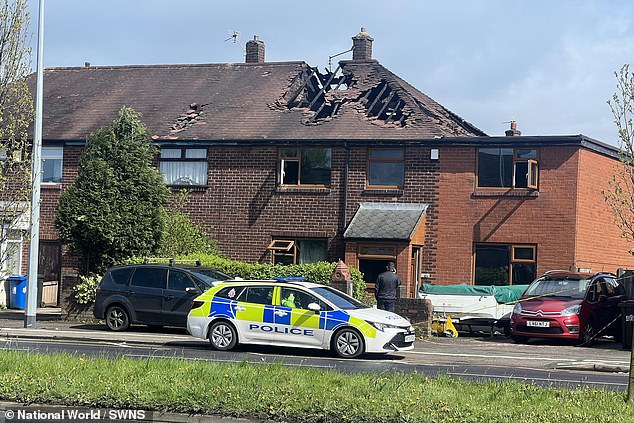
[
  {"x": 305, "y": 166},
  {"x": 299, "y": 251}
]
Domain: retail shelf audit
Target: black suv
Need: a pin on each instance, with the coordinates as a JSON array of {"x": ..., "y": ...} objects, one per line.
[{"x": 151, "y": 294}]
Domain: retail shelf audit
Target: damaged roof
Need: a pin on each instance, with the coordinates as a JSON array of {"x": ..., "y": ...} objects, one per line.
[
  {"x": 361, "y": 100},
  {"x": 385, "y": 221}
]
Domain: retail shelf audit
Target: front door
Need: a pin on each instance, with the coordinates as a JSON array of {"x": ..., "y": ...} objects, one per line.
[{"x": 49, "y": 268}]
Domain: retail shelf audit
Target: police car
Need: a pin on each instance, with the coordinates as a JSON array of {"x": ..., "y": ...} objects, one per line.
[{"x": 295, "y": 314}]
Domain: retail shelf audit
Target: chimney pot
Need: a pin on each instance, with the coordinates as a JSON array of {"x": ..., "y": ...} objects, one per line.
[
  {"x": 87, "y": 64},
  {"x": 362, "y": 46},
  {"x": 513, "y": 132},
  {"x": 255, "y": 50}
]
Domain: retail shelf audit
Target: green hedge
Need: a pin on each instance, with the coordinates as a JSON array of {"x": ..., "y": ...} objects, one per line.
[{"x": 320, "y": 272}]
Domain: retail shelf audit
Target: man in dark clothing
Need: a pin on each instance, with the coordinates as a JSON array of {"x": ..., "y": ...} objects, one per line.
[{"x": 386, "y": 289}]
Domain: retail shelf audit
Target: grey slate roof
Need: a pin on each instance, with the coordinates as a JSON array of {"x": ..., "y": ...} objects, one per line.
[{"x": 385, "y": 221}]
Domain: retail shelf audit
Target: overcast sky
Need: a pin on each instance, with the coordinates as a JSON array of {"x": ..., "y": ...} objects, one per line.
[{"x": 547, "y": 64}]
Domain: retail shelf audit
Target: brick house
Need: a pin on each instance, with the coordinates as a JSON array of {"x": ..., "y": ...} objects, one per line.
[{"x": 287, "y": 164}]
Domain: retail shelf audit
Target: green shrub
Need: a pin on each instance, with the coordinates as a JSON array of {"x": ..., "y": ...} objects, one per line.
[
  {"x": 84, "y": 292},
  {"x": 320, "y": 272}
]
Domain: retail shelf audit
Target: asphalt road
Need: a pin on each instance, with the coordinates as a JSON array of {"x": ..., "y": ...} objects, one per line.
[{"x": 556, "y": 364}]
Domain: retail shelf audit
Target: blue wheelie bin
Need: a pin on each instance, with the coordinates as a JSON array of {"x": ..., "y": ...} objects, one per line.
[{"x": 17, "y": 294}]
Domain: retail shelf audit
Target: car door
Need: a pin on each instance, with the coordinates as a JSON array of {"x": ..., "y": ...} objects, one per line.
[
  {"x": 608, "y": 310},
  {"x": 254, "y": 314},
  {"x": 177, "y": 298},
  {"x": 295, "y": 322},
  {"x": 145, "y": 294}
]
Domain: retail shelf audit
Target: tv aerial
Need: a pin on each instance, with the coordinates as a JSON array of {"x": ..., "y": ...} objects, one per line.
[{"x": 234, "y": 36}]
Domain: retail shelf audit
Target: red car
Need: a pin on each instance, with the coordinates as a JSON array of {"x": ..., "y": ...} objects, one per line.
[{"x": 569, "y": 305}]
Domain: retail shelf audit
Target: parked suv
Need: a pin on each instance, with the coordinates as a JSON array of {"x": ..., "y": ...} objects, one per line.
[
  {"x": 569, "y": 305},
  {"x": 151, "y": 294}
]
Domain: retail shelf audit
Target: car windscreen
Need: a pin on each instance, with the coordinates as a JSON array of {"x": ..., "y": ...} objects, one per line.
[
  {"x": 338, "y": 298},
  {"x": 210, "y": 275},
  {"x": 562, "y": 287}
]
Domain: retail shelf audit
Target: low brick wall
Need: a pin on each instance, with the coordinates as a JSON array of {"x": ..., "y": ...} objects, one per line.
[
  {"x": 70, "y": 309},
  {"x": 418, "y": 311}
]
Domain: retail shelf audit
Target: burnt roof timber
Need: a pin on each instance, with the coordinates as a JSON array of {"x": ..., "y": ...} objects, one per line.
[{"x": 323, "y": 88}]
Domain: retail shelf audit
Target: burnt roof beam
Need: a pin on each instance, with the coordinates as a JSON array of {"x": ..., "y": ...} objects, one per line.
[
  {"x": 376, "y": 99},
  {"x": 387, "y": 103},
  {"x": 323, "y": 89}
]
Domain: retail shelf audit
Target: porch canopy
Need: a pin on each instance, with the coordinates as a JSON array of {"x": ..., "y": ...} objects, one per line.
[{"x": 386, "y": 221}]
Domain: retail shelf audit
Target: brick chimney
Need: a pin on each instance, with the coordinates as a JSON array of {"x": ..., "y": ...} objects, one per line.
[
  {"x": 255, "y": 50},
  {"x": 362, "y": 46},
  {"x": 513, "y": 132}
]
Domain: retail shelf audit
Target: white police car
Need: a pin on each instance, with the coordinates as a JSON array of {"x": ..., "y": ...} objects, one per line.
[{"x": 295, "y": 314}]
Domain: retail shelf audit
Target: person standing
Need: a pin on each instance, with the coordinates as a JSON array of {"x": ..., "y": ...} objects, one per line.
[{"x": 386, "y": 289}]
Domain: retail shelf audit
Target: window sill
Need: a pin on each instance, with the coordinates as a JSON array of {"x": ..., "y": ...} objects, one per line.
[
  {"x": 192, "y": 188},
  {"x": 301, "y": 190},
  {"x": 379, "y": 191},
  {"x": 51, "y": 185},
  {"x": 513, "y": 193}
]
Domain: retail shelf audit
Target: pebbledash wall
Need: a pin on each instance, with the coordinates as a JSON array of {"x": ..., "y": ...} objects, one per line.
[{"x": 567, "y": 218}]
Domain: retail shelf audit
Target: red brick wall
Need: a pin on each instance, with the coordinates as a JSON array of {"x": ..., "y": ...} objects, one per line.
[
  {"x": 599, "y": 243},
  {"x": 467, "y": 215}
]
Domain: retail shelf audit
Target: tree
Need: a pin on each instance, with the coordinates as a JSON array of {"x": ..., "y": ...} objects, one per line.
[
  {"x": 181, "y": 236},
  {"x": 620, "y": 195},
  {"x": 16, "y": 113},
  {"x": 115, "y": 207}
]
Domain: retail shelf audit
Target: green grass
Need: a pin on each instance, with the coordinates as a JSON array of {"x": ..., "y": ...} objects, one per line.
[{"x": 289, "y": 394}]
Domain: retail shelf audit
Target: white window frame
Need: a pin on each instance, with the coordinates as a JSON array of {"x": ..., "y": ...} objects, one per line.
[
  {"x": 53, "y": 153},
  {"x": 184, "y": 157}
]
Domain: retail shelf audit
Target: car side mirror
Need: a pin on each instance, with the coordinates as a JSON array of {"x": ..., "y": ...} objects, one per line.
[
  {"x": 314, "y": 307},
  {"x": 192, "y": 290}
]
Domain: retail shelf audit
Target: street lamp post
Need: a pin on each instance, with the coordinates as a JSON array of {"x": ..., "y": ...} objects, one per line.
[{"x": 30, "y": 314}]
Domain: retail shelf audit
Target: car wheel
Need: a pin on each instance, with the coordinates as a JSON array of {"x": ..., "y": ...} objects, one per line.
[
  {"x": 518, "y": 339},
  {"x": 348, "y": 343},
  {"x": 588, "y": 334},
  {"x": 117, "y": 318},
  {"x": 222, "y": 336}
]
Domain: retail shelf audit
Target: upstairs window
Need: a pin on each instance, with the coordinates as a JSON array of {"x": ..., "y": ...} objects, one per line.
[
  {"x": 305, "y": 166},
  {"x": 52, "y": 158},
  {"x": 386, "y": 168},
  {"x": 507, "y": 168},
  {"x": 184, "y": 166}
]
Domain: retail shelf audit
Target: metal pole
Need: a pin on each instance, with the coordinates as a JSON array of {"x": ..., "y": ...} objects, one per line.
[{"x": 36, "y": 156}]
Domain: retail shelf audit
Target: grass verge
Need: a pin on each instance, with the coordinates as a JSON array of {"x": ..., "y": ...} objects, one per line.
[{"x": 288, "y": 394}]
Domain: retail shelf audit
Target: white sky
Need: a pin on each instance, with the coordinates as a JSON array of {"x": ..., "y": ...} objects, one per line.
[{"x": 547, "y": 64}]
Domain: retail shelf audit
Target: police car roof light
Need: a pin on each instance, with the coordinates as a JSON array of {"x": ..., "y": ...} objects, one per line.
[{"x": 290, "y": 278}]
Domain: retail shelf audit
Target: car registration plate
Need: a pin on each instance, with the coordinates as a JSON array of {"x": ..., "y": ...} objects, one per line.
[
  {"x": 537, "y": 324},
  {"x": 410, "y": 338}
]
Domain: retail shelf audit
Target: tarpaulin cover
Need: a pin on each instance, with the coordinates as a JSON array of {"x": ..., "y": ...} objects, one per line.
[{"x": 502, "y": 294}]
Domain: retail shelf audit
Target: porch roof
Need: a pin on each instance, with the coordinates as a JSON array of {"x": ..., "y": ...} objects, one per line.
[{"x": 386, "y": 221}]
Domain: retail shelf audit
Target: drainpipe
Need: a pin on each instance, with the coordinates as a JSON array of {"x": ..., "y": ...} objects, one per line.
[{"x": 345, "y": 185}]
